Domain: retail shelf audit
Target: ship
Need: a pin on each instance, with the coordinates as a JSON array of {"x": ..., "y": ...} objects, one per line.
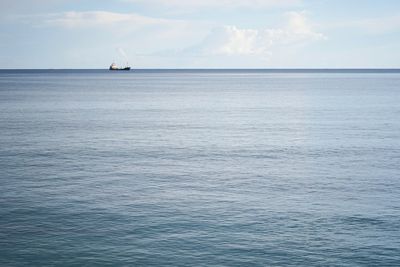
[{"x": 114, "y": 66}]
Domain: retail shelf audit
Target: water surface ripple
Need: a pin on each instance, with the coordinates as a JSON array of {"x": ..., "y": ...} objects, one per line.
[{"x": 199, "y": 168}]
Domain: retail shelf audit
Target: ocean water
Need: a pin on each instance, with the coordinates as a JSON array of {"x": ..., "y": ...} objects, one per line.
[{"x": 200, "y": 168}]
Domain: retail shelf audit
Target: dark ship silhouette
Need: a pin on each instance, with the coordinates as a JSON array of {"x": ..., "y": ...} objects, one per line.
[{"x": 114, "y": 66}]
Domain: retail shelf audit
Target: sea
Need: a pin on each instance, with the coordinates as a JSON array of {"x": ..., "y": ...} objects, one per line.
[{"x": 200, "y": 168}]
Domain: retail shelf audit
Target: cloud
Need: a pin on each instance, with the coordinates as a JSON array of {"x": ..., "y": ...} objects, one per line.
[
  {"x": 193, "y": 4},
  {"x": 73, "y": 19},
  {"x": 116, "y": 23},
  {"x": 176, "y": 42},
  {"x": 129, "y": 31},
  {"x": 231, "y": 40}
]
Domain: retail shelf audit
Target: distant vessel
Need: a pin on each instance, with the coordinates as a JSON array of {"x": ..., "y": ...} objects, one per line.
[{"x": 114, "y": 66}]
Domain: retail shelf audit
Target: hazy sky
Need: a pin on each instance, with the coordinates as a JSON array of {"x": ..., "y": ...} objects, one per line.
[{"x": 200, "y": 33}]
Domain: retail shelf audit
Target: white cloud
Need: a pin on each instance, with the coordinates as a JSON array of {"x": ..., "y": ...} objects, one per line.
[
  {"x": 129, "y": 28},
  {"x": 172, "y": 42},
  {"x": 231, "y": 40},
  {"x": 74, "y": 19},
  {"x": 192, "y": 4}
]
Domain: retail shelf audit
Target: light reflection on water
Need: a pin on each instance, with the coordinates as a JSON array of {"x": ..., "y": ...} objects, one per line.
[{"x": 199, "y": 168}]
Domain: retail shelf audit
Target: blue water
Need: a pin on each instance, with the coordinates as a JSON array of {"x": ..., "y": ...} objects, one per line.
[{"x": 200, "y": 168}]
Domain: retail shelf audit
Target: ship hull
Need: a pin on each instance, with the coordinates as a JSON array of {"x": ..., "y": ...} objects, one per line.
[{"x": 127, "y": 68}]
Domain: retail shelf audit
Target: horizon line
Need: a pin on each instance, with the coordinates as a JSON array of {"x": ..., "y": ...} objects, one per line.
[
  {"x": 352, "y": 68},
  {"x": 204, "y": 70}
]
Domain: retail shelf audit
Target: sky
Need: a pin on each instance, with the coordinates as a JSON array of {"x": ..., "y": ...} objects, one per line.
[{"x": 200, "y": 33}]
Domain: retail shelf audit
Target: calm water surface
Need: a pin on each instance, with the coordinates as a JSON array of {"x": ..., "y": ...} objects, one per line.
[{"x": 199, "y": 168}]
